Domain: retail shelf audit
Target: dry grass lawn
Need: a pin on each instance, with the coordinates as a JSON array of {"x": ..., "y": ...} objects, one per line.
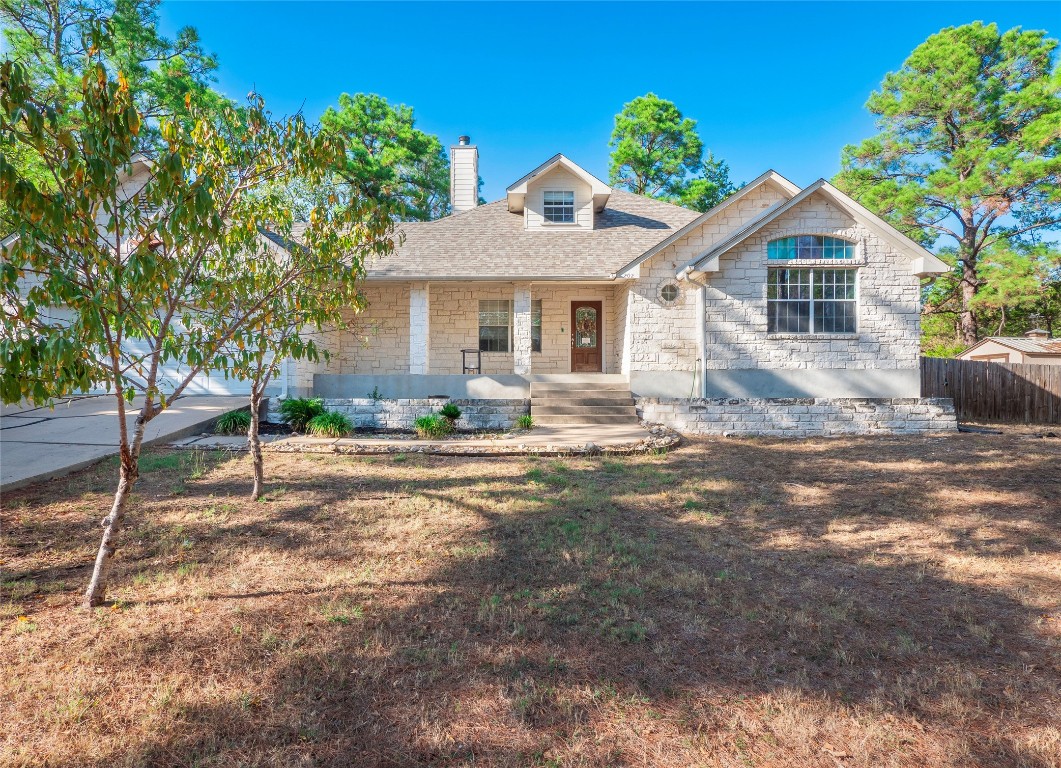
[{"x": 834, "y": 602}]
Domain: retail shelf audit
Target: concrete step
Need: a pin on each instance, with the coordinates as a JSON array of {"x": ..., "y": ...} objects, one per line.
[
  {"x": 583, "y": 410},
  {"x": 549, "y": 419},
  {"x": 621, "y": 398},
  {"x": 541, "y": 388}
]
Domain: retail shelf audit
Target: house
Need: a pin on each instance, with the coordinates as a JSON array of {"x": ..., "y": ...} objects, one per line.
[
  {"x": 780, "y": 311},
  {"x": 1035, "y": 347}
]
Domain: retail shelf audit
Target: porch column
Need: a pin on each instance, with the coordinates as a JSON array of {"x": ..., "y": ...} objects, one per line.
[
  {"x": 521, "y": 329},
  {"x": 420, "y": 328}
]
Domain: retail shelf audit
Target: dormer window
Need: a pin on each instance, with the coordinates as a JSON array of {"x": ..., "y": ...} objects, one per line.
[{"x": 558, "y": 206}]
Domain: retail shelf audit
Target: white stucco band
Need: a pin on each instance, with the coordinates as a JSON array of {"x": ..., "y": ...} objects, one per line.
[
  {"x": 779, "y": 382},
  {"x": 800, "y": 417}
]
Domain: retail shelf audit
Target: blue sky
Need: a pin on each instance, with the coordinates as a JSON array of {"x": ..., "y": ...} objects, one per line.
[{"x": 772, "y": 85}]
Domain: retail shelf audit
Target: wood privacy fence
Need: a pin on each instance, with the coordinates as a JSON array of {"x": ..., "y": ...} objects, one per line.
[{"x": 995, "y": 391}]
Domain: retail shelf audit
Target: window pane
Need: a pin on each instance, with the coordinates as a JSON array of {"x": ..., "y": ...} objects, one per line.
[
  {"x": 536, "y": 325},
  {"x": 834, "y": 317},
  {"x": 784, "y": 248},
  {"x": 788, "y": 317},
  {"x": 809, "y": 247}
]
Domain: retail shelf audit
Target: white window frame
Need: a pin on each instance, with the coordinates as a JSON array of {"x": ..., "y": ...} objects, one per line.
[
  {"x": 480, "y": 326},
  {"x": 812, "y": 330},
  {"x": 563, "y": 204}
]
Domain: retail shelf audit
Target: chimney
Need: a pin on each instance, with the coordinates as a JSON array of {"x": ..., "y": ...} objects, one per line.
[
  {"x": 463, "y": 175},
  {"x": 1037, "y": 333}
]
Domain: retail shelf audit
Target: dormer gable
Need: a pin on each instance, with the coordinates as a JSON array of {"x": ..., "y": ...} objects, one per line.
[{"x": 558, "y": 194}]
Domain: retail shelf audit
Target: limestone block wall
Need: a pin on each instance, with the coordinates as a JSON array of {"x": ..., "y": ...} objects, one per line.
[
  {"x": 888, "y": 335},
  {"x": 400, "y": 414},
  {"x": 663, "y": 335},
  {"x": 801, "y": 417},
  {"x": 375, "y": 341},
  {"x": 455, "y": 325}
]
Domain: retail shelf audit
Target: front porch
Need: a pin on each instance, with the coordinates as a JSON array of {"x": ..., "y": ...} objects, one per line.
[{"x": 517, "y": 329}]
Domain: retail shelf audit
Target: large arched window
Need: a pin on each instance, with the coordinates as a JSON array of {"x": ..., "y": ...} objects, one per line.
[{"x": 810, "y": 247}]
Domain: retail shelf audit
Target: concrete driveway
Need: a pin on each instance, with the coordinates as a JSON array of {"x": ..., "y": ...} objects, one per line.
[{"x": 38, "y": 443}]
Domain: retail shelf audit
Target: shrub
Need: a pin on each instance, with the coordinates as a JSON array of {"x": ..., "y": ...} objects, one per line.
[
  {"x": 432, "y": 426},
  {"x": 450, "y": 411},
  {"x": 330, "y": 424},
  {"x": 299, "y": 411},
  {"x": 525, "y": 421},
  {"x": 233, "y": 423}
]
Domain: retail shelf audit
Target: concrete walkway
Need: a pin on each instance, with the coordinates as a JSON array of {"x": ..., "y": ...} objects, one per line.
[
  {"x": 555, "y": 439},
  {"x": 39, "y": 443}
]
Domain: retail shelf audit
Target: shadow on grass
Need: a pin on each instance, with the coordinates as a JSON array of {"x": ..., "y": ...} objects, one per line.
[{"x": 589, "y": 604}]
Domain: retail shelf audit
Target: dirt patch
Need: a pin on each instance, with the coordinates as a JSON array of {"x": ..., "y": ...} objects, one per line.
[{"x": 851, "y": 601}]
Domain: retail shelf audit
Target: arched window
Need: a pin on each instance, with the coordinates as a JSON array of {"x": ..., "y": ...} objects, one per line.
[{"x": 810, "y": 247}]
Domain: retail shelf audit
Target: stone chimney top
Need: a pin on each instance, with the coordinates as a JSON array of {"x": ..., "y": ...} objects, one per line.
[
  {"x": 463, "y": 175},
  {"x": 1037, "y": 333}
]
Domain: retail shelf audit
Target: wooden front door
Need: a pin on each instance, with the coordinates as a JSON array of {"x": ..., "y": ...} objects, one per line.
[{"x": 586, "y": 342}]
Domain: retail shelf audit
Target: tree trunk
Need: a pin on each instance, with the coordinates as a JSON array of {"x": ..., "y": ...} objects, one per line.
[
  {"x": 969, "y": 285},
  {"x": 112, "y": 523},
  {"x": 255, "y": 443}
]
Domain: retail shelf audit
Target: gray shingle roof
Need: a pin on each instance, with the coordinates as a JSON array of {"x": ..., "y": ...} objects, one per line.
[{"x": 489, "y": 243}]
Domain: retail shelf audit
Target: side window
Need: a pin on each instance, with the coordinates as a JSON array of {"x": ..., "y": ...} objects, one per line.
[
  {"x": 536, "y": 325},
  {"x": 495, "y": 325}
]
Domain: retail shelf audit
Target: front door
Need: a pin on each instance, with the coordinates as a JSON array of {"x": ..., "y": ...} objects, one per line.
[{"x": 586, "y": 353}]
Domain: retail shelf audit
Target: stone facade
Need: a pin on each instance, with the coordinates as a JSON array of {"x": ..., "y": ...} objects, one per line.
[
  {"x": 800, "y": 417},
  {"x": 888, "y": 302},
  {"x": 664, "y": 334},
  {"x": 400, "y": 414}
]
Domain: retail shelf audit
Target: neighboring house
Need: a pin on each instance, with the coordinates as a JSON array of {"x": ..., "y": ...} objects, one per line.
[
  {"x": 1034, "y": 347},
  {"x": 705, "y": 319}
]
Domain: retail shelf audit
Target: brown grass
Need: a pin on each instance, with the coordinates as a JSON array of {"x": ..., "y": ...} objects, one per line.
[{"x": 844, "y": 602}]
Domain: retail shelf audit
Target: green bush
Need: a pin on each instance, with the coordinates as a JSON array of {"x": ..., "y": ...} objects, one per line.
[
  {"x": 450, "y": 411},
  {"x": 330, "y": 424},
  {"x": 299, "y": 411},
  {"x": 233, "y": 423},
  {"x": 432, "y": 426},
  {"x": 525, "y": 421}
]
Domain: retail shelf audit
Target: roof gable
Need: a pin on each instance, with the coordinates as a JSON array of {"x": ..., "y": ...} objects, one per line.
[
  {"x": 923, "y": 262},
  {"x": 788, "y": 189},
  {"x": 517, "y": 192}
]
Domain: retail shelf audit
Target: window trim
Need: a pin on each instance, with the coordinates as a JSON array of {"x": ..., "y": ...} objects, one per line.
[
  {"x": 545, "y": 203},
  {"x": 813, "y": 333}
]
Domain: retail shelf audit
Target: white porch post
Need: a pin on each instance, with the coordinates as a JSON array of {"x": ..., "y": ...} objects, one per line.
[
  {"x": 521, "y": 329},
  {"x": 420, "y": 328}
]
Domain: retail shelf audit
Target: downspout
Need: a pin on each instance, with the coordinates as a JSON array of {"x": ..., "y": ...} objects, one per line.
[{"x": 701, "y": 335}]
